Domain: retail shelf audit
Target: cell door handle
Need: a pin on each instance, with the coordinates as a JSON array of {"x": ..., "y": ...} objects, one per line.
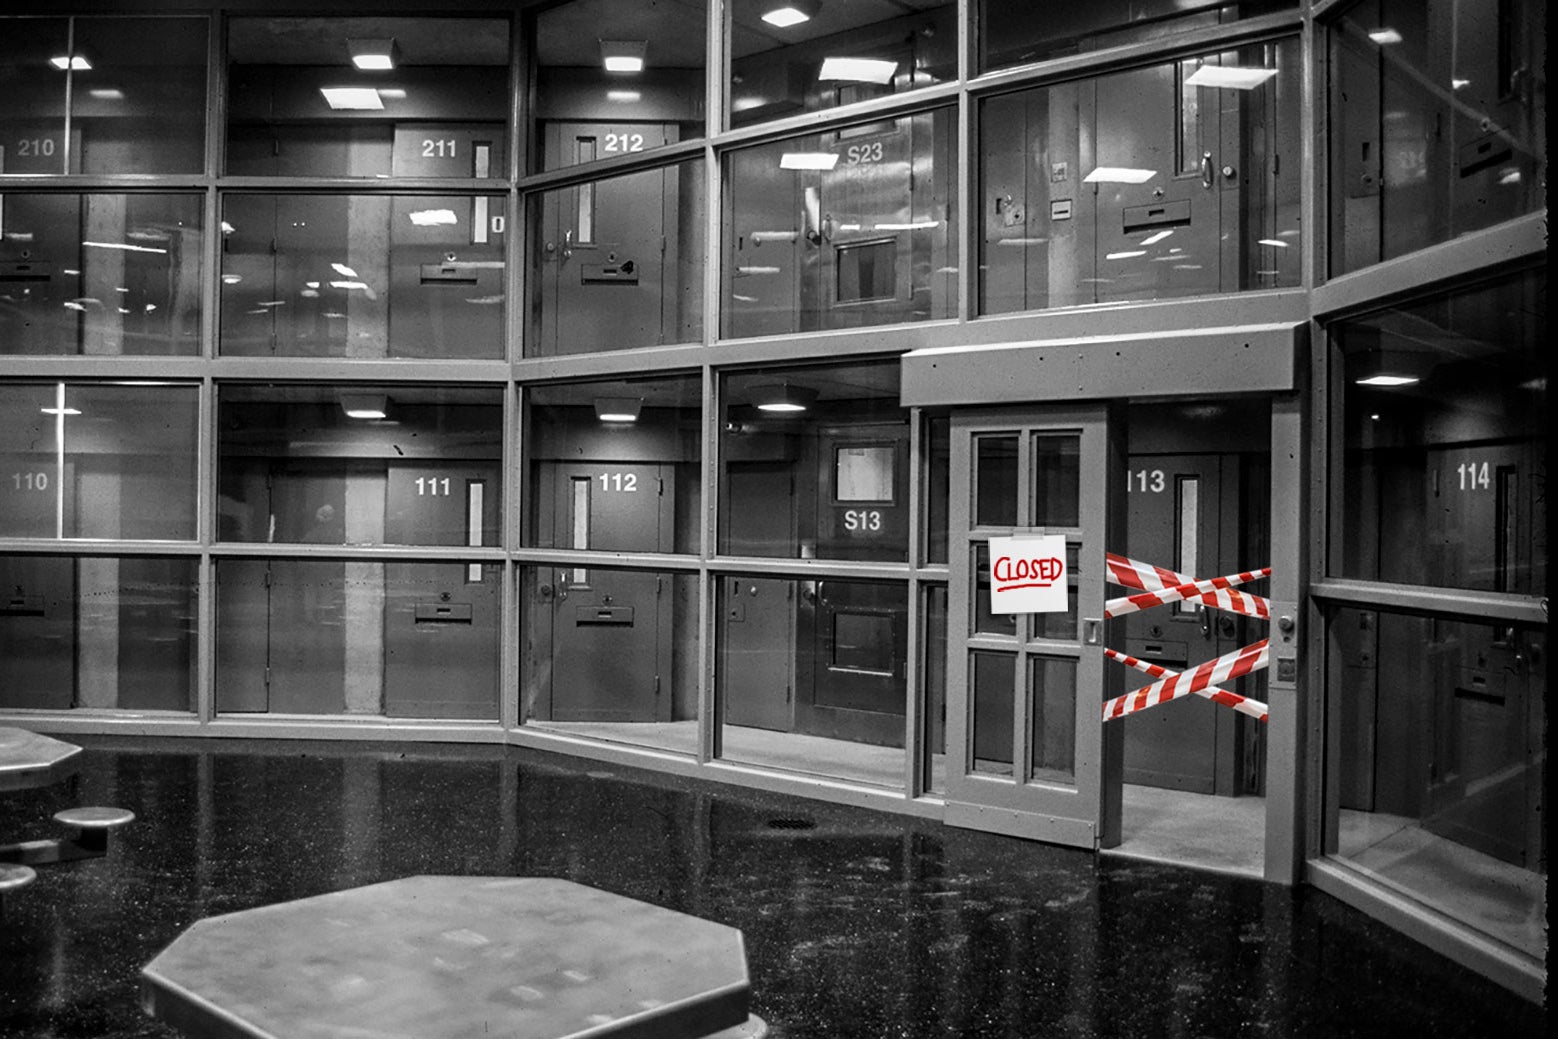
[
  {"x": 1206, "y": 170},
  {"x": 568, "y": 239}
]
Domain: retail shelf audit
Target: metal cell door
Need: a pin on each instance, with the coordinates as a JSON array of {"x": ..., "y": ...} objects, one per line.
[
  {"x": 1025, "y": 736},
  {"x": 611, "y": 629},
  {"x": 1184, "y": 514},
  {"x": 609, "y": 251}
]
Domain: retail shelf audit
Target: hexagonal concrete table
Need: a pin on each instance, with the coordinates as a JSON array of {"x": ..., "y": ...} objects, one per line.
[
  {"x": 434, "y": 957},
  {"x": 28, "y": 759}
]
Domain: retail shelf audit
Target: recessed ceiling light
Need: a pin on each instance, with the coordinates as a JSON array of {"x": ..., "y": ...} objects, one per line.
[
  {"x": 1229, "y": 77},
  {"x": 1385, "y": 36},
  {"x": 623, "y": 55},
  {"x": 858, "y": 70},
  {"x": 358, "y": 99},
  {"x": 808, "y": 160},
  {"x": 70, "y": 61},
  {"x": 786, "y": 13},
  {"x": 372, "y": 55}
]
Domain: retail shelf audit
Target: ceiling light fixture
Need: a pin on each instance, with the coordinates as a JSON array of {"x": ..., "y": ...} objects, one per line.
[
  {"x": 786, "y": 13},
  {"x": 354, "y": 99},
  {"x": 372, "y": 55},
  {"x": 1385, "y": 36},
  {"x": 808, "y": 160},
  {"x": 1119, "y": 175},
  {"x": 623, "y": 55},
  {"x": 783, "y": 398},
  {"x": 70, "y": 61},
  {"x": 858, "y": 70},
  {"x": 1229, "y": 77},
  {"x": 618, "y": 409},
  {"x": 365, "y": 405}
]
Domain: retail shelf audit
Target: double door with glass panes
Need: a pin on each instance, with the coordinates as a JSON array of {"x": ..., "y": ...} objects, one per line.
[{"x": 1025, "y": 738}]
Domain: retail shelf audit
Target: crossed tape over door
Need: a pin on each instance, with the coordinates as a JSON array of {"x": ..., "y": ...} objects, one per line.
[{"x": 1158, "y": 586}]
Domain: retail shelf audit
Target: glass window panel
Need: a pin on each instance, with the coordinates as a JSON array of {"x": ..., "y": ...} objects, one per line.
[
  {"x": 298, "y": 104},
  {"x": 1437, "y": 123},
  {"x": 363, "y": 276},
  {"x": 141, "y": 107},
  {"x": 361, "y": 465},
  {"x": 1057, "y": 480},
  {"x": 586, "y": 87},
  {"x": 100, "y": 273},
  {"x": 810, "y": 676},
  {"x": 792, "y": 58},
  {"x": 842, "y": 229},
  {"x": 984, "y": 622},
  {"x": 1136, "y": 195},
  {"x": 935, "y": 650},
  {"x": 1443, "y": 468},
  {"x": 618, "y": 263},
  {"x": 615, "y": 466},
  {"x": 1052, "y": 705},
  {"x": 98, "y": 633},
  {"x": 1018, "y": 34},
  {"x": 32, "y": 119},
  {"x": 995, "y": 481},
  {"x": 781, "y": 433},
  {"x": 338, "y": 637},
  {"x": 1062, "y": 625},
  {"x": 993, "y": 678},
  {"x": 100, "y": 460},
  {"x": 614, "y": 658},
  {"x": 1439, "y": 764},
  {"x": 938, "y": 496}
]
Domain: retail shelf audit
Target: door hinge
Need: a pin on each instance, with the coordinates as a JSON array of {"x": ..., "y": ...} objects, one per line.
[
  {"x": 657, "y": 685},
  {"x": 267, "y": 676}
]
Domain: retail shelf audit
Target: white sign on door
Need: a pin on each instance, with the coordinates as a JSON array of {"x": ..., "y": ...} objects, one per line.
[{"x": 1028, "y": 574}]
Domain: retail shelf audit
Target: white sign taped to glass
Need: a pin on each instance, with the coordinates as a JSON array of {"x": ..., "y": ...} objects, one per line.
[{"x": 1028, "y": 574}]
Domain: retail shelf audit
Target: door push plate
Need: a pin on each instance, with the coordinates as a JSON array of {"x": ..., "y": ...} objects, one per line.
[{"x": 1092, "y": 632}]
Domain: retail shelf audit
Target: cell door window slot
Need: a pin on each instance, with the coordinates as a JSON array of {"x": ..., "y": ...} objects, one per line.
[
  {"x": 1156, "y": 217},
  {"x": 867, "y": 271},
  {"x": 584, "y": 151},
  {"x": 580, "y": 534},
  {"x": 1187, "y": 534},
  {"x": 1188, "y": 159},
  {"x": 864, "y": 473},
  {"x": 475, "y": 504}
]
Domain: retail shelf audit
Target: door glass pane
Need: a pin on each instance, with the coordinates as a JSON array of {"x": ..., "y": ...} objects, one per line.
[
  {"x": 935, "y": 671},
  {"x": 1052, "y": 700},
  {"x": 992, "y": 677},
  {"x": 1057, "y": 479},
  {"x": 1063, "y": 625},
  {"x": 995, "y": 481},
  {"x": 983, "y": 621},
  {"x": 141, "y": 108}
]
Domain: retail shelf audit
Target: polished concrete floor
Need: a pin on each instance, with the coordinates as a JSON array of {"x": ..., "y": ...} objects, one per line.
[{"x": 857, "y": 923}]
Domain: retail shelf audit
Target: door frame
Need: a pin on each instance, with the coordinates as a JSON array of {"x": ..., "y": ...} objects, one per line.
[{"x": 1086, "y": 811}]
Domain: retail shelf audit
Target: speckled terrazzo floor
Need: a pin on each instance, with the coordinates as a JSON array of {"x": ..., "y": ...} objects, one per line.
[{"x": 857, "y": 924}]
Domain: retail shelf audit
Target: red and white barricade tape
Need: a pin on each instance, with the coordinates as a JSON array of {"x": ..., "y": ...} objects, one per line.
[
  {"x": 1242, "y": 704},
  {"x": 1159, "y": 586}
]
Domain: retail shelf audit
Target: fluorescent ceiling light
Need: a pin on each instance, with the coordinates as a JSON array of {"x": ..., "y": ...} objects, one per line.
[
  {"x": 356, "y": 99},
  {"x": 1459, "y": 84},
  {"x": 858, "y": 70},
  {"x": 623, "y": 55},
  {"x": 107, "y": 94},
  {"x": 624, "y": 96},
  {"x": 433, "y": 218},
  {"x": 343, "y": 270},
  {"x": 922, "y": 225},
  {"x": 1384, "y": 37},
  {"x": 392, "y": 93},
  {"x": 372, "y": 55},
  {"x": 125, "y": 247},
  {"x": 618, "y": 409},
  {"x": 70, "y": 61},
  {"x": 786, "y": 13},
  {"x": 1119, "y": 175},
  {"x": 1154, "y": 239},
  {"x": 1232, "y": 78},
  {"x": 1275, "y": 243},
  {"x": 60, "y": 411},
  {"x": 1129, "y": 254},
  {"x": 783, "y": 398},
  {"x": 1388, "y": 380},
  {"x": 365, "y": 405},
  {"x": 808, "y": 160}
]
